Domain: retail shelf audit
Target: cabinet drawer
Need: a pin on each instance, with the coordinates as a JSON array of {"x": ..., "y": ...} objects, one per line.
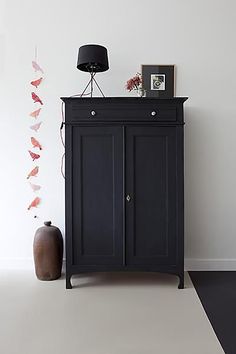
[{"x": 119, "y": 112}]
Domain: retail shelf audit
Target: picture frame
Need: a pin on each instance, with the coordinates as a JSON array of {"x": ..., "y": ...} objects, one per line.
[{"x": 158, "y": 80}]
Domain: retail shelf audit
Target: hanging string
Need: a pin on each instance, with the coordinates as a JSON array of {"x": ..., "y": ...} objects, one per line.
[
  {"x": 62, "y": 123},
  {"x": 36, "y": 53},
  {"x": 62, "y": 165}
]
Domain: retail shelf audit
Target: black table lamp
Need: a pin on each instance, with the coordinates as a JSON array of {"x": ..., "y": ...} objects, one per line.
[{"x": 92, "y": 58}]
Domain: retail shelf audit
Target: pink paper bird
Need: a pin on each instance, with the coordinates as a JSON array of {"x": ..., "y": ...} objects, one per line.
[
  {"x": 36, "y": 126},
  {"x": 36, "y": 143},
  {"x": 33, "y": 155},
  {"x": 36, "y": 98},
  {"x": 34, "y": 203},
  {"x": 35, "y": 114},
  {"x": 37, "y": 67},
  {"x": 35, "y": 187},
  {"x": 36, "y": 83},
  {"x": 33, "y": 173}
]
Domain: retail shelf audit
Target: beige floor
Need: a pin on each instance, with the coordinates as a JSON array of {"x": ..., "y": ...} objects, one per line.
[{"x": 106, "y": 314}]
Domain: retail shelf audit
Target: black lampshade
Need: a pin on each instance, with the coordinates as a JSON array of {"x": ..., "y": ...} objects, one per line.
[{"x": 92, "y": 58}]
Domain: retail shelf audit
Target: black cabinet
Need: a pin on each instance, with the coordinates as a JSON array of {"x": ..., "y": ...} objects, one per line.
[{"x": 124, "y": 185}]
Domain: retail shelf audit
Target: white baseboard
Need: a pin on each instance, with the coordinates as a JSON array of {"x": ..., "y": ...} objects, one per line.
[
  {"x": 191, "y": 264},
  {"x": 214, "y": 264}
]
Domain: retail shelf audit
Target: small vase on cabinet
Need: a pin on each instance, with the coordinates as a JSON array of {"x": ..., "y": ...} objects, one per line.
[{"x": 141, "y": 92}]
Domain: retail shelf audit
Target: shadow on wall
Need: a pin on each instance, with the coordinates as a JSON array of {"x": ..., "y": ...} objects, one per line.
[
  {"x": 198, "y": 170},
  {"x": 210, "y": 172},
  {"x": 2, "y": 56}
]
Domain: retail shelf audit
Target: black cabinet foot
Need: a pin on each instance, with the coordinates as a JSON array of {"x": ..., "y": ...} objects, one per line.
[
  {"x": 181, "y": 282},
  {"x": 68, "y": 282}
]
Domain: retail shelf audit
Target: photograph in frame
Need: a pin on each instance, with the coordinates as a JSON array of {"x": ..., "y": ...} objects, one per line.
[{"x": 158, "y": 80}]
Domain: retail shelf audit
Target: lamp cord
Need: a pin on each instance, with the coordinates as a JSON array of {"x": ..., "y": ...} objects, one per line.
[{"x": 61, "y": 128}]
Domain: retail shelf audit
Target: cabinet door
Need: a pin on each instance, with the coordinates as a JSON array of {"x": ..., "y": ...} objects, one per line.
[
  {"x": 151, "y": 195},
  {"x": 97, "y": 195}
]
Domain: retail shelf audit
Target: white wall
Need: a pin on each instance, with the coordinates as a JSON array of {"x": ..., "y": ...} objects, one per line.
[{"x": 197, "y": 36}]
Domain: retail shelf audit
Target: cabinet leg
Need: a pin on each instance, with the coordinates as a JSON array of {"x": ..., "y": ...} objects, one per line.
[
  {"x": 68, "y": 281},
  {"x": 181, "y": 281}
]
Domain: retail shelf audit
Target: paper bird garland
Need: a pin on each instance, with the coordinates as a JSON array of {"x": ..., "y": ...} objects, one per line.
[{"x": 36, "y": 82}]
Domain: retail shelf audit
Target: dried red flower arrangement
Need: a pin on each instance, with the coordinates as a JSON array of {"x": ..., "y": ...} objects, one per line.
[{"x": 134, "y": 83}]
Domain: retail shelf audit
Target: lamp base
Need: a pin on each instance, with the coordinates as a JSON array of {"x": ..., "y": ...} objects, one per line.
[{"x": 91, "y": 83}]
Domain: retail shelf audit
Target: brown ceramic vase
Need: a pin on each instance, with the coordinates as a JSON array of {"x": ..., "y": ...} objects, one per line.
[{"x": 48, "y": 252}]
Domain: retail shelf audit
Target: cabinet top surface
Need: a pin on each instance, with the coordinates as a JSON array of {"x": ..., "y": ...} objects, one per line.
[{"x": 124, "y": 99}]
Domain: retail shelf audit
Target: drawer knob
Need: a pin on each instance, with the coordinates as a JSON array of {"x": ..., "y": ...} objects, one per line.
[
  {"x": 93, "y": 113},
  {"x": 153, "y": 113}
]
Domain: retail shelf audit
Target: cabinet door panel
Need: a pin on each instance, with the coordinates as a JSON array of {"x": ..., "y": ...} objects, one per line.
[
  {"x": 97, "y": 198},
  {"x": 151, "y": 184}
]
